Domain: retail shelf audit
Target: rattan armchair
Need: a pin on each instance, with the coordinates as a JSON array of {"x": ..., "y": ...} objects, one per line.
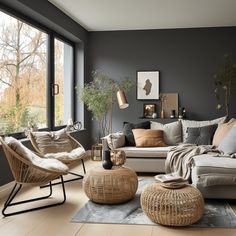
[
  {"x": 52, "y": 144},
  {"x": 30, "y": 172}
]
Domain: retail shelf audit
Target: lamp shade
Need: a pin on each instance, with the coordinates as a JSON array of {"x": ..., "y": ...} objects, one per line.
[{"x": 122, "y": 101}]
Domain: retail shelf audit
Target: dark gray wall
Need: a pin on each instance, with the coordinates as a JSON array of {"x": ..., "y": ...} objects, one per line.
[
  {"x": 186, "y": 58},
  {"x": 49, "y": 16}
]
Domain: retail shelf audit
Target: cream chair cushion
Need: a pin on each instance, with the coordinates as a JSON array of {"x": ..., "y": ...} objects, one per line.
[
  {"x": 24, "y": 152},
  {"x": 67, "y": 157}
]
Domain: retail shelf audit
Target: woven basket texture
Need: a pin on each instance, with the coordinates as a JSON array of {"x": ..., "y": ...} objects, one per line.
[
  {"x": 172, "y": 207},
  {"x": 113, "y": 186}
]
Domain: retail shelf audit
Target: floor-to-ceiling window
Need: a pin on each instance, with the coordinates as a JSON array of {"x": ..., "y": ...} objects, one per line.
[{"x": 25, "y": 81}]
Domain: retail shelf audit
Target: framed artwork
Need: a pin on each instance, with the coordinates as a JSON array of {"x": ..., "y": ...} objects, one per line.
[
  {"x": 149, "y": 110},
  {"x": 147, "y": 85},
  {"x": 169, "y": 102}
]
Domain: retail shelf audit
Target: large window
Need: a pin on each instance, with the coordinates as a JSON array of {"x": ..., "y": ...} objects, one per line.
[
  {"x": 63, "y": 82},
  {"x": 24, "y": 77}
]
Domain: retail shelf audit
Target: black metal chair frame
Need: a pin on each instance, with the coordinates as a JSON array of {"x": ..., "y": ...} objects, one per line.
[
  {"x": 17, "y": 187},
  {"x": 69, "y": 180}
]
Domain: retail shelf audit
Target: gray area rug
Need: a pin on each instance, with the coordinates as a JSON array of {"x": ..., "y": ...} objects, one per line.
[{"x": 217, "y": 213}]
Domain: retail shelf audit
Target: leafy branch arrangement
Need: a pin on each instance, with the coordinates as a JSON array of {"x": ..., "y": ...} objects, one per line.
[
  {"x": 225, "y": 80},
  {"x": 99, "y": 98}
]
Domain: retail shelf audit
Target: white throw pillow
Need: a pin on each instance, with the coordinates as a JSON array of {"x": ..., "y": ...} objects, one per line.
[
  {"x": 172, "y": 132},
  {"x": 115, "y": 140},
  {"x": 194, "y": 123}
]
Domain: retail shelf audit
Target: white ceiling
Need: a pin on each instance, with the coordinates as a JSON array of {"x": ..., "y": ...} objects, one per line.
[{"x": 101, "y": 15}]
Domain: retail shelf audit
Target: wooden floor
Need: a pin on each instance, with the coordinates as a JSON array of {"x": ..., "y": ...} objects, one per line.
[{"x": 55, "y": 221}]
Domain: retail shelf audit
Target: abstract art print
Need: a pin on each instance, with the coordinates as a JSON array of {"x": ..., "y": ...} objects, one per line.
[{"x": 147, "y": 85}]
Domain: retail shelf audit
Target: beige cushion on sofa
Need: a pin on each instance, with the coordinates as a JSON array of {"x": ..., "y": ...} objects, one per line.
[
  {"x": 172, "y": 131},
  {"x": 148, "y": 138},
  {"x": 194, "y": 123},
  {"x": 221, "y": 131},
  {"x": 115, "y": 140},
  {"x": 24, "y": 152},
  {"x": 51, "y": 142}
]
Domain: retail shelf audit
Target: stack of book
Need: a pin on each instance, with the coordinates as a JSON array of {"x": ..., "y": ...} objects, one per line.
[{"x": 171, "y": 181}]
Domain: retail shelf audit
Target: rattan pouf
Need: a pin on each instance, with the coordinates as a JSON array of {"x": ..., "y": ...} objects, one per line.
[
  {"x": 113, "y": 186},
  {"x": 173, "y": 207}
]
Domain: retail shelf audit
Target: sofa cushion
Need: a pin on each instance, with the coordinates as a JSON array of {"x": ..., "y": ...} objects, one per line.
[
  {"x": 115, "y": 140},
  {"x": 201, "y": 135},
  {"x": 211, "y": 171},
  {"x": 228, "y": 144},
  {"x": 172, "y": 131},
  {"x": 129, "y": 137},
  {"x": 148, "y": 138},
  {"x": 144, "y": 152},
  {"x": 194, "y": 123},
  {"x": 221, "y": 131}
]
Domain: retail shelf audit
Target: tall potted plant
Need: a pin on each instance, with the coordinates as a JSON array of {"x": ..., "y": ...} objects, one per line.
[
  {"x": 225, "y": 80},
  {"x": 98, "y": 96}
]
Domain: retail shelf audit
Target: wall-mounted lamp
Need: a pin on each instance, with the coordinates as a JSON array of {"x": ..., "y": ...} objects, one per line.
[{"x": 121, "y": 98}]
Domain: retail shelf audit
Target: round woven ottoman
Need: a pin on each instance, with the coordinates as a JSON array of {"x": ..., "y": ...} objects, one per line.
[
  {"x": 173, "y": 207},
  {"x": 113, "y": 186}
]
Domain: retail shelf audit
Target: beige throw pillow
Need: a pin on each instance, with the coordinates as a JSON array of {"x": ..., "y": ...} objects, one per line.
[
  {"x": 148, "y": 138},
  {"x": 194, "y": 123},
  {"x": 115, "y": 140},
  {"x": 172, "y": 132},
  {"x": 221, "y": 131},
  {"x": 52, "y": 142}
]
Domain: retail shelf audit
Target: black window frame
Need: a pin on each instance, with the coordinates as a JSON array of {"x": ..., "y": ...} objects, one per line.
[{"x": 52, "y": 35}]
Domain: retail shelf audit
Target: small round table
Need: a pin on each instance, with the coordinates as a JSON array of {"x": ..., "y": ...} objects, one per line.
[
  {"x": 173, "y": 207},
  {"x": 113, "y": 186}
]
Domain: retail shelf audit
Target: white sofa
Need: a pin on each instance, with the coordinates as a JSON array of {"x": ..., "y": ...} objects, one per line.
[{"x": 215, "y": 177}]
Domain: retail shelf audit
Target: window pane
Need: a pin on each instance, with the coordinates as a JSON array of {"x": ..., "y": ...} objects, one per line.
[
  {"x": 64, "y": 79},
  {"x": 22, "y": 75}
]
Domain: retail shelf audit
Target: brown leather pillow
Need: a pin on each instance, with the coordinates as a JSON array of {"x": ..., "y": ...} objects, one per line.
[
  {"x": 148, "y": 138},
  {"x": 221, "y": 131}
]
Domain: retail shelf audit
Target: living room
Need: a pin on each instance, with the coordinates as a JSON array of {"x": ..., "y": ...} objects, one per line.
[{"x": 183, "y": 43}]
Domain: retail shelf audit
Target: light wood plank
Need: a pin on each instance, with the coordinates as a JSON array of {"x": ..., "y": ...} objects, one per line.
[
  {"x": 56, "y": 220},
  {"x": 176, "y": 231},
  {"x": 95, "y": 229}
]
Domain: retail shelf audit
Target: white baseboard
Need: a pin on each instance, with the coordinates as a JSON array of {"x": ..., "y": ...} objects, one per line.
[{"x": 5, "y": 189}]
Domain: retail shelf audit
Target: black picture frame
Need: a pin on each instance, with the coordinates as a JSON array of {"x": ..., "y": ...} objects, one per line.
[
  {"x": 147, "y": 85},
  {"x": 149, "y": 109}
]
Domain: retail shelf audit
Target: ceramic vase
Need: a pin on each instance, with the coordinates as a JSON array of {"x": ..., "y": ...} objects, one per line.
[{"x": 107, "y": 163}]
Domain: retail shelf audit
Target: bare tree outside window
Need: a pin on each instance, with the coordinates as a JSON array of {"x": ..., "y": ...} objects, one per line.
[{"x": 22, "y": 75}]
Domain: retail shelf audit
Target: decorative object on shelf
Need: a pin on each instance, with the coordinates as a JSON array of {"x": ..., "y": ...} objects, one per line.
[
  {"x": 118, "y": 157},
  {"x": 169, "y": 102},
  {"x": 147, "y": 85},
  {"x": 107, "y": 163},
  {"x": 163, "y": 98},
  {"x": 154, "y": 115},
  {"x": 99, "y": 98},
  {"x": 172, "y": 116},
  {"x": 182, "y": 113},
  {"x": 225, "y": 81},
  {"x": 96, "y": 153},
  {"x": 149, "y": 110}
]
